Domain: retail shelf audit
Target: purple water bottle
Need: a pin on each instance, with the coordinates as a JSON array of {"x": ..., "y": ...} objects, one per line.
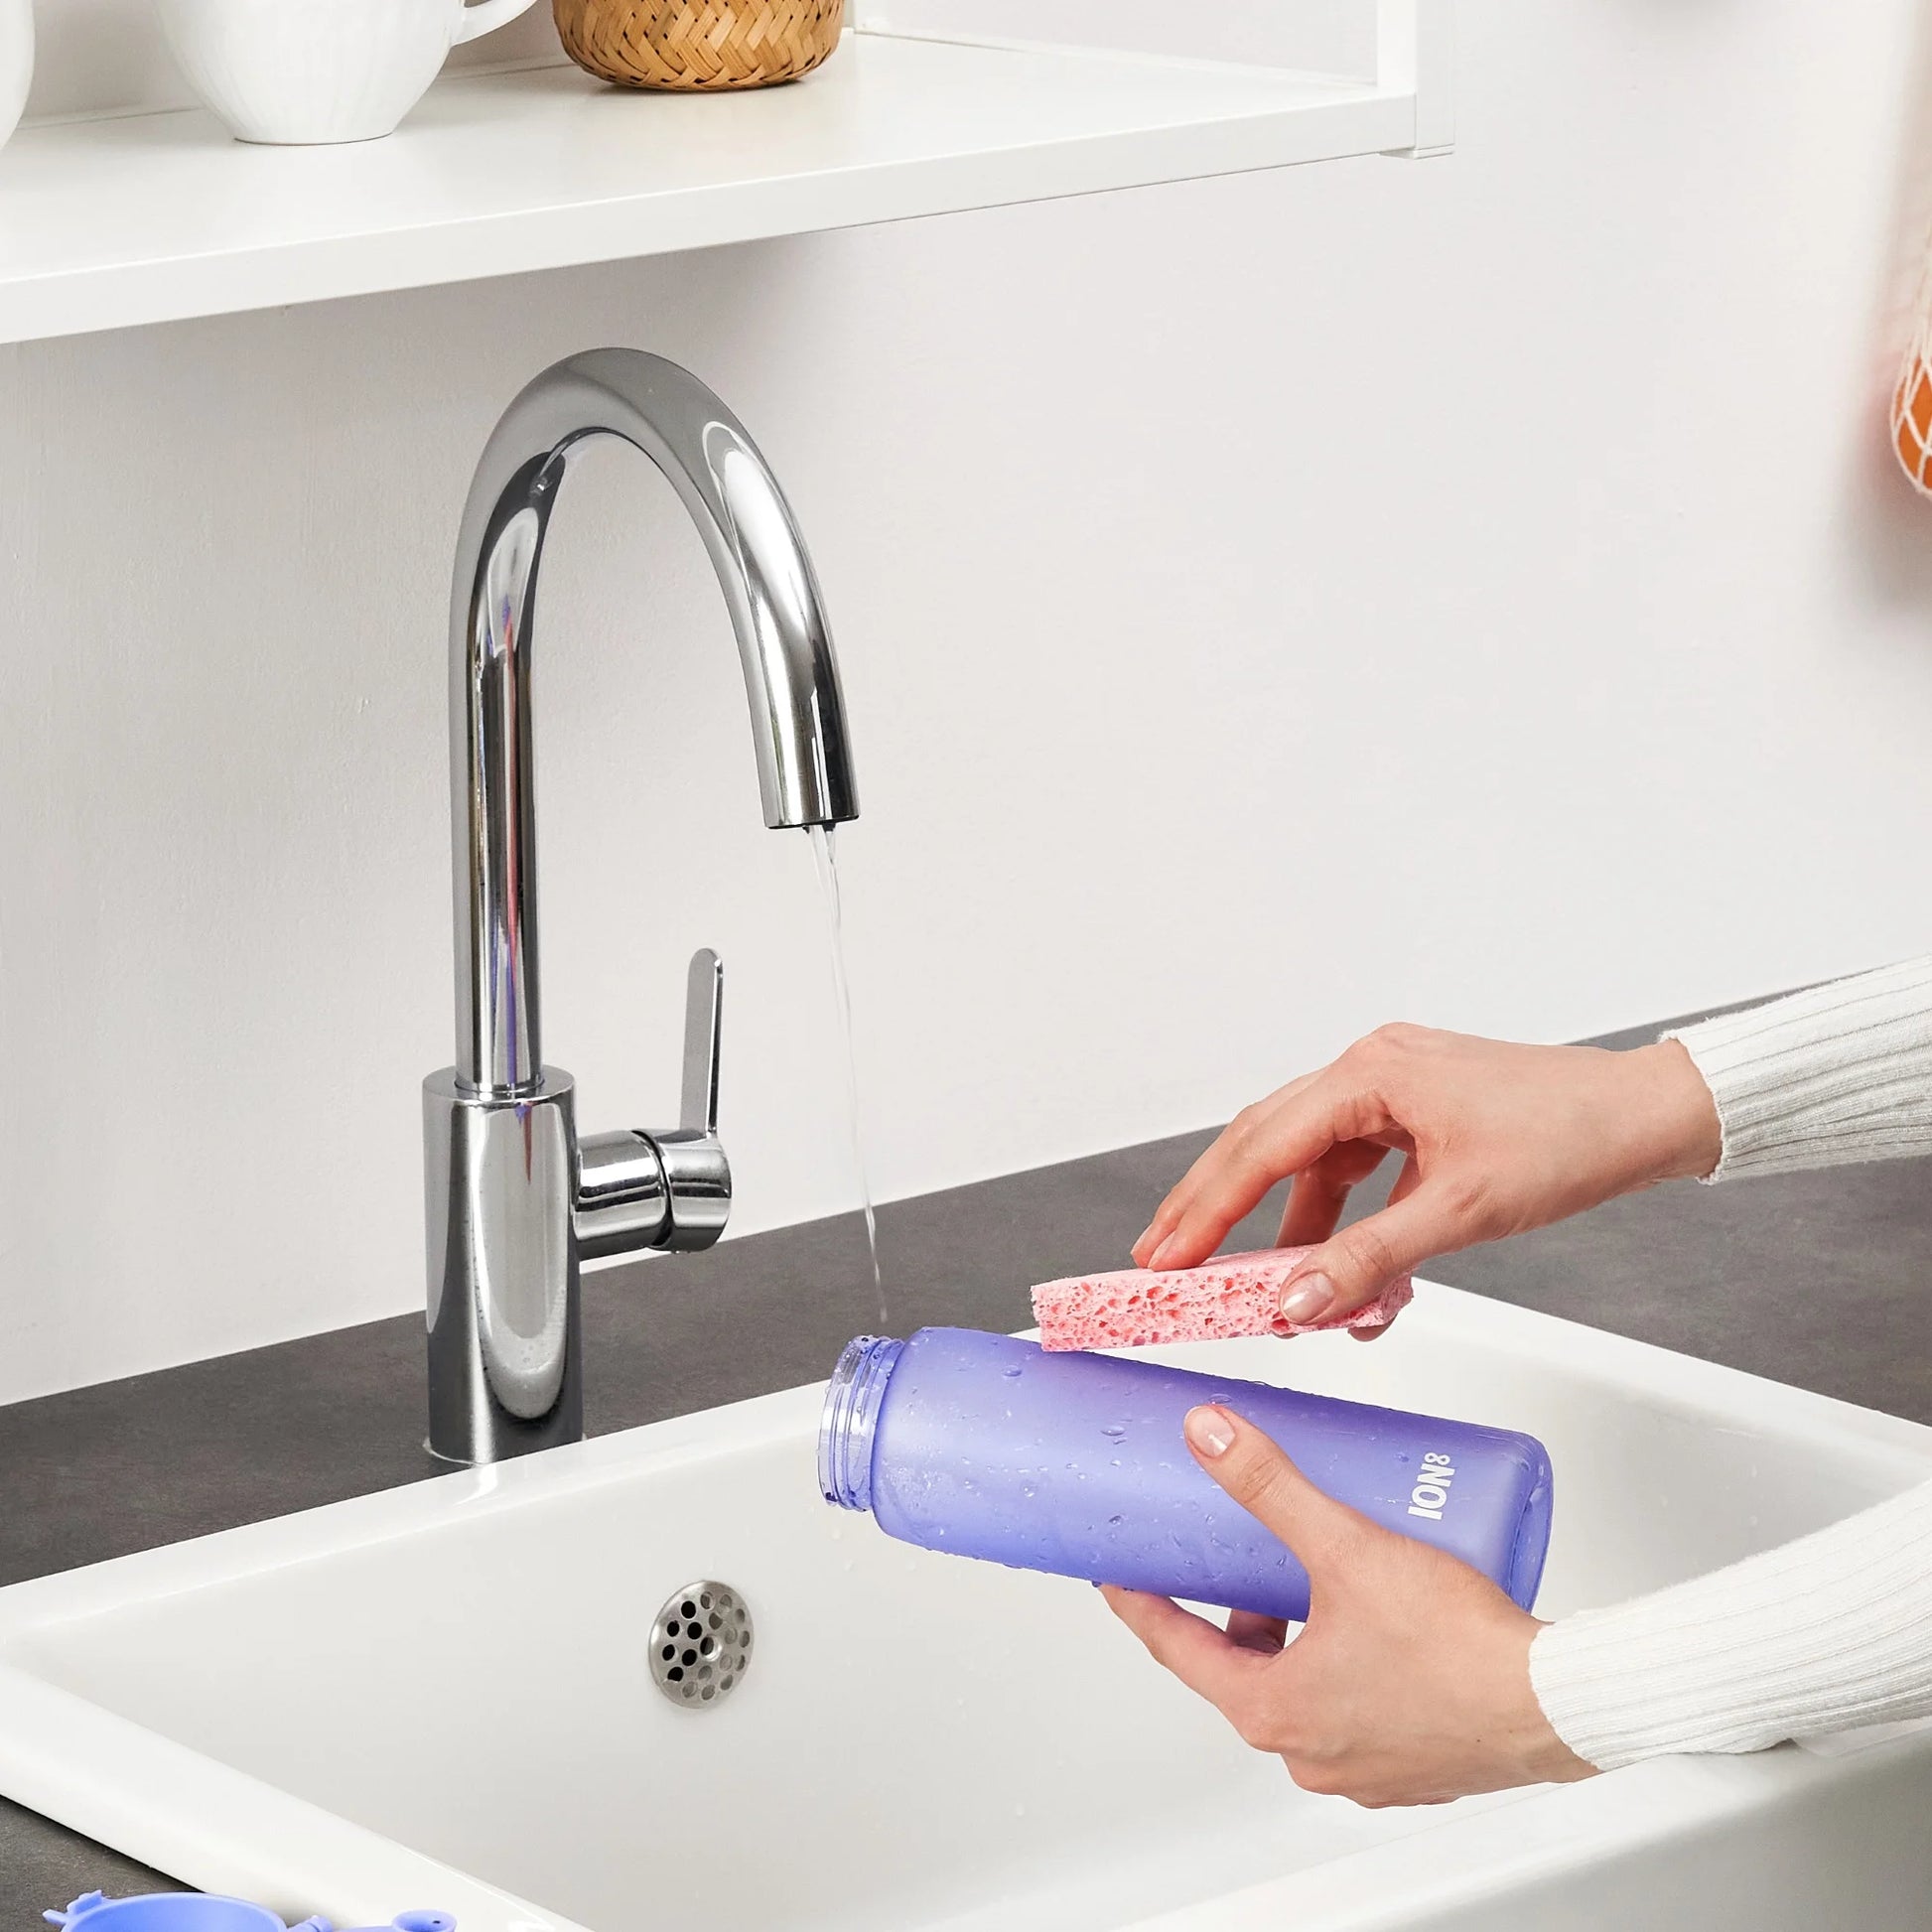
[{"x": 1074, "y": 1463}]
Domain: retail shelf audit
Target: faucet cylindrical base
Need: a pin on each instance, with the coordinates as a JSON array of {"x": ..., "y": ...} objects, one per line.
[{"x": 505, "y": 1354}]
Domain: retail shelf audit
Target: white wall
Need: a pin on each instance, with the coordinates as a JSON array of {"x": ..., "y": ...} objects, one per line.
[{"x": 1471, "y": 591}]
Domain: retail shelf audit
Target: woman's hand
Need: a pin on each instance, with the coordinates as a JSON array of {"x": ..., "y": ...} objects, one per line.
[
  {"x": 1500, "y": 1139},
  {"x": 1410, "y": 1682}
]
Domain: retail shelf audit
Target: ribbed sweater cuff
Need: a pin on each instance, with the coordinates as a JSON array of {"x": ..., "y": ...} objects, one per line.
[
  {"x": 1835, "y": 1074},
  {"x": 1820, "y": 1635}
]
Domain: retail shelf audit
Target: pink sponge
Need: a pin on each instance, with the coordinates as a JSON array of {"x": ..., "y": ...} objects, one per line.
[{"x": 1233, "y": 1295}]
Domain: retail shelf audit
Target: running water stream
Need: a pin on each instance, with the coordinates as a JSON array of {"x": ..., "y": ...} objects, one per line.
[{"x": 825, "y": 857}]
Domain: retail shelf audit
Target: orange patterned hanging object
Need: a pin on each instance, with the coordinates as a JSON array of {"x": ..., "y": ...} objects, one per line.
[
  {"x": 698, "y": 46},
  {"x": 1911, "y": 407}
]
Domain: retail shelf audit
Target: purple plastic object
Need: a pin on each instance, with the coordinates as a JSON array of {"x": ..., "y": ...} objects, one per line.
[
  {"x": 195, "y": 1911},
  {"x": 1074, "y": 1463}
]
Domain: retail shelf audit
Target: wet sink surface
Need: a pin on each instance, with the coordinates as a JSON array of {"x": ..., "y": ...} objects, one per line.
[{"x": 442, "y": 1695}]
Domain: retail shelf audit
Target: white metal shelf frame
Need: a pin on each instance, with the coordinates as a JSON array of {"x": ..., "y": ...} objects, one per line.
[{"x": 156, "y": 217}]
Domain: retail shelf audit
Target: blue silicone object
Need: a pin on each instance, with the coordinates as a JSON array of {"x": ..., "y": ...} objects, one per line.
[
  {"x": 195, "y": 1911},
  {"x": 986, "y": 1446}
]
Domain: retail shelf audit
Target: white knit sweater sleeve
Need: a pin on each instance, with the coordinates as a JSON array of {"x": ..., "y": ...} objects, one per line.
[
  {"x": 1831, "y": 1631},
  {"x": 1834, "y": 1631},
  {"x": 1835, "y": 1074}
]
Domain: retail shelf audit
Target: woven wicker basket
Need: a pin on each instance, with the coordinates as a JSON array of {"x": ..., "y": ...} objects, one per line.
[{"x": 699, "y": 44}]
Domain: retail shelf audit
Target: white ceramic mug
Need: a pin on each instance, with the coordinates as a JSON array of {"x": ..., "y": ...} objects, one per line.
[{"x": 303, "y": 71}]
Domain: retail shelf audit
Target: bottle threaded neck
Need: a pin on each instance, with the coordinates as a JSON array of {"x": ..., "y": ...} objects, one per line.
[{"x": 844, "y": 1428}]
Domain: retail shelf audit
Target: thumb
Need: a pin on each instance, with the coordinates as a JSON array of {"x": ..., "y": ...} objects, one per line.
[
  {"x": 1356, "y": 1263},
  {"x": 1253, "y": 1469}
]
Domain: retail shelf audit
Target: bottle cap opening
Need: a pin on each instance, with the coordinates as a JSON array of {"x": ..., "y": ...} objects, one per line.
[{"x": 844, "y": 1428}]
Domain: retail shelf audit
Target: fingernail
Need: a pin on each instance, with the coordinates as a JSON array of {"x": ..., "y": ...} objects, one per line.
[
  {"x": 1308, "y": 1299},
  {"x": 1160, "y": 1253},
  {"x": 1209, "y": 1430}
]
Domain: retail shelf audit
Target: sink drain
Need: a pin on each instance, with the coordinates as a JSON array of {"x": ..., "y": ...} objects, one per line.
[{"x": 700, "y": 1644}]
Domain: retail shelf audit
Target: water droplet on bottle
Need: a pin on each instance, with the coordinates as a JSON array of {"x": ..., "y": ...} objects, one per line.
[
  {"x": 1115, "y": 1519},
  {"x": 1013, "y": 1374},
  {"x": 1116, "y": 1430}
]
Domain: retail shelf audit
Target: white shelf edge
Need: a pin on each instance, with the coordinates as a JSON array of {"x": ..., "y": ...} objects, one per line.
[{"x": 1269, "y": 118}]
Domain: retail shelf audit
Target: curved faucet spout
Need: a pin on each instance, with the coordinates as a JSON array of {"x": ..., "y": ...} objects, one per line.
[
  {"x": 791, "y": 677},
  {"x": 516, "y": 1199}
]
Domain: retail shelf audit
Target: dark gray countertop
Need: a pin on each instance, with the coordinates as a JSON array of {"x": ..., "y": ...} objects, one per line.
[{"x": 1813, "y": 1279}]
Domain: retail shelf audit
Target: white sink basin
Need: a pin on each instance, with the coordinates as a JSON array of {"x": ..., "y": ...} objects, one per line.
[{"x": 440, "y": 1696}]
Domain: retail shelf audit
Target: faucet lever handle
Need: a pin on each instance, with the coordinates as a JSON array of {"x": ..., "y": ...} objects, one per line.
[
  {"x": 704, "y": 1017},
  {"x": 697, "y": 1176}
]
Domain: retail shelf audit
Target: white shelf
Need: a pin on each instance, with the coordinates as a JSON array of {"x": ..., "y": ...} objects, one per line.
[{"x": 151, "y": 217}]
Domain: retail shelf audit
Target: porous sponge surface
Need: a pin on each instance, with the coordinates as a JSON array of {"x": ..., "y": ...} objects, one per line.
[{"x": 1232, "y": 1295}]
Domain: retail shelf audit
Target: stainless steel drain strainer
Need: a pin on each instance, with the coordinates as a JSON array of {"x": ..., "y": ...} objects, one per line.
[{"x": 700, "y": 1644}]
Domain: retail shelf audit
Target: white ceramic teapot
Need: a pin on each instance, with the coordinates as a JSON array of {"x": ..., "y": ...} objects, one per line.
[{"x": 15, "y": 61}]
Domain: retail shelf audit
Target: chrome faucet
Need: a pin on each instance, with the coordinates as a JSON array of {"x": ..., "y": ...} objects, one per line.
[{"x": 515, "y": 1199}]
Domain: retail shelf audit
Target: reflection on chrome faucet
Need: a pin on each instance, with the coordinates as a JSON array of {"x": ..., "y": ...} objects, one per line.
[{"x": 515, "y": 1197}]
